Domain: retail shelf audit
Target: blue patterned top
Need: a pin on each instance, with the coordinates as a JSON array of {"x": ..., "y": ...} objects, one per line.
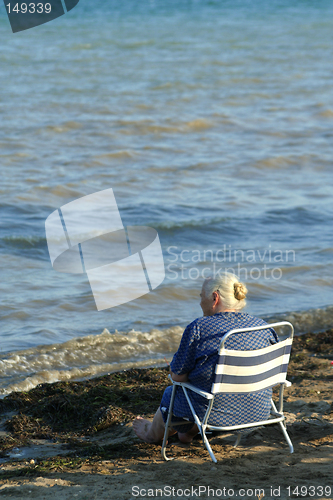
[{"x": 197, "y": 356}]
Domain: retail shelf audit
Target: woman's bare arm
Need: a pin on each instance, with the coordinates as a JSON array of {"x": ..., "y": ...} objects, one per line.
[{"x": 179, "y": 378}]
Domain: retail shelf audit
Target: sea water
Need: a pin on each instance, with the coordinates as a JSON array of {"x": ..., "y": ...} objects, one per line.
[{"x": 212, "y": 122}]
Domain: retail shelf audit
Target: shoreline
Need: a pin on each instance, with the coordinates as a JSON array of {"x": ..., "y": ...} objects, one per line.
[
  {"x": 76, "y": 437},
  {"x": 95, "y": 355}
]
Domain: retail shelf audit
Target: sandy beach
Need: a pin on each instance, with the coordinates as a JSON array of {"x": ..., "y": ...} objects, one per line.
[{"x": 56, "y": 448}]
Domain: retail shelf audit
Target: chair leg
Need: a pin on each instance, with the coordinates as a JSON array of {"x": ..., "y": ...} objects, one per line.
[
  {"x": 168, "y": 425},
  {"x": 239, "y": 437},
  {"x": 284, "y": 430},
  {"x": 164, "y": 447},
  {"x": 287, "y": 438},
  {"x": 206, "y": 443}
]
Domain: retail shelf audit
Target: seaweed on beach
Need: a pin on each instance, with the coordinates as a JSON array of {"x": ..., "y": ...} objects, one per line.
[
  {"x": 8, "y": 443},
  {"x": 310, "y": 356},
  {"x": 83, "y": 408},
  {"x": 321, "y": 344}
]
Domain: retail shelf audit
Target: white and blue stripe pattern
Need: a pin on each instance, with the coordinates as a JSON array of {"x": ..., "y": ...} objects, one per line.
[{"x": 251, "y": 371}]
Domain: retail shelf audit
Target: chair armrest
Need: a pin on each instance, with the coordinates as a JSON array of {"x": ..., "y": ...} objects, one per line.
[
  {"x": 191, "y": 387},
  {"x": 287, "y": 383}
]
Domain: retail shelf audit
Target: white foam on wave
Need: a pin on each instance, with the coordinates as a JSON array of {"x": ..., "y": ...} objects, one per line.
[
  {"x": 313, "y": 320},
  {"x": 85, "y": 357},
  {"x": 50, "y": 376}
]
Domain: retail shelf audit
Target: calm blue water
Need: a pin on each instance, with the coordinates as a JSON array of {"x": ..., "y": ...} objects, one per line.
[{"x": 212, "y": 121}]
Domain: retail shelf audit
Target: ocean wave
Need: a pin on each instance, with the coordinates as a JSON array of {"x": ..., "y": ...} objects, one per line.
[
  {"x": 86, "y": 356},
  {"x": 125, "y": 154},
  {"x": 129, "y": 127},
  {"x": 202, "y": 222},
  {"x": 328, "y": 113},
  {"x": 312, "y": 320},
  {"x": 278, "y": 162},
  {"x": 64, "y": 127},
  {"x": 51, "y": 376},
  {"x": 23, "y": 242},
  {"x": 295, "y": 215}
]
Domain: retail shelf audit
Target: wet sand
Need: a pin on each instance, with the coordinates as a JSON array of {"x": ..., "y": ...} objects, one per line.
[{"x": 75, "y": 440}]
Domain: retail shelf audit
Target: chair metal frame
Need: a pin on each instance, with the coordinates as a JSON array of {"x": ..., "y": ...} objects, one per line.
[{"x": 277, "y": 416}]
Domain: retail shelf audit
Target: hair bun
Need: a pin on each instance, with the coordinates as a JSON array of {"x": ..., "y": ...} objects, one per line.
[{"x": 239, "y": 291}]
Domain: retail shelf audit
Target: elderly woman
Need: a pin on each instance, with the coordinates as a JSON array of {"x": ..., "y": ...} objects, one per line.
[{"x": 222, "y": 299}]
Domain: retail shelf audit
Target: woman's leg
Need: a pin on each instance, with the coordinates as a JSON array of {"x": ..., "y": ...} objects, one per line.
[
  {"x": 153, "y": 431},
  {"x": 187, "y": 437}
]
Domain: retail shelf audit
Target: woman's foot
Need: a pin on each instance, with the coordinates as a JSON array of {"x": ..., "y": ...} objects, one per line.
[
  {"x": 143, "y": 429},
  {"x": 151, "y": 431}
]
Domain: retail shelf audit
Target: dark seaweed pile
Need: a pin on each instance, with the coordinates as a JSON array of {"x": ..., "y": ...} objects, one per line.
[
  {"x": 67, "y": 410},
  {"x": 321, "y": 344}
]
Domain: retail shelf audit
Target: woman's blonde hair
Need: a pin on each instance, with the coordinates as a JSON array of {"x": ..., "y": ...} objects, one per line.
[{"x": 232, "y": 292}]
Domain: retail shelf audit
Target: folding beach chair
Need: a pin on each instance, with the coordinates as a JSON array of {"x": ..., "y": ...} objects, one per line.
[{"x": 241, "y": 372}]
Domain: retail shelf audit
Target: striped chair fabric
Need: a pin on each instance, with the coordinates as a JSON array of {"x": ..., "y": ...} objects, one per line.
[{"x": 251, "y": 371}]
